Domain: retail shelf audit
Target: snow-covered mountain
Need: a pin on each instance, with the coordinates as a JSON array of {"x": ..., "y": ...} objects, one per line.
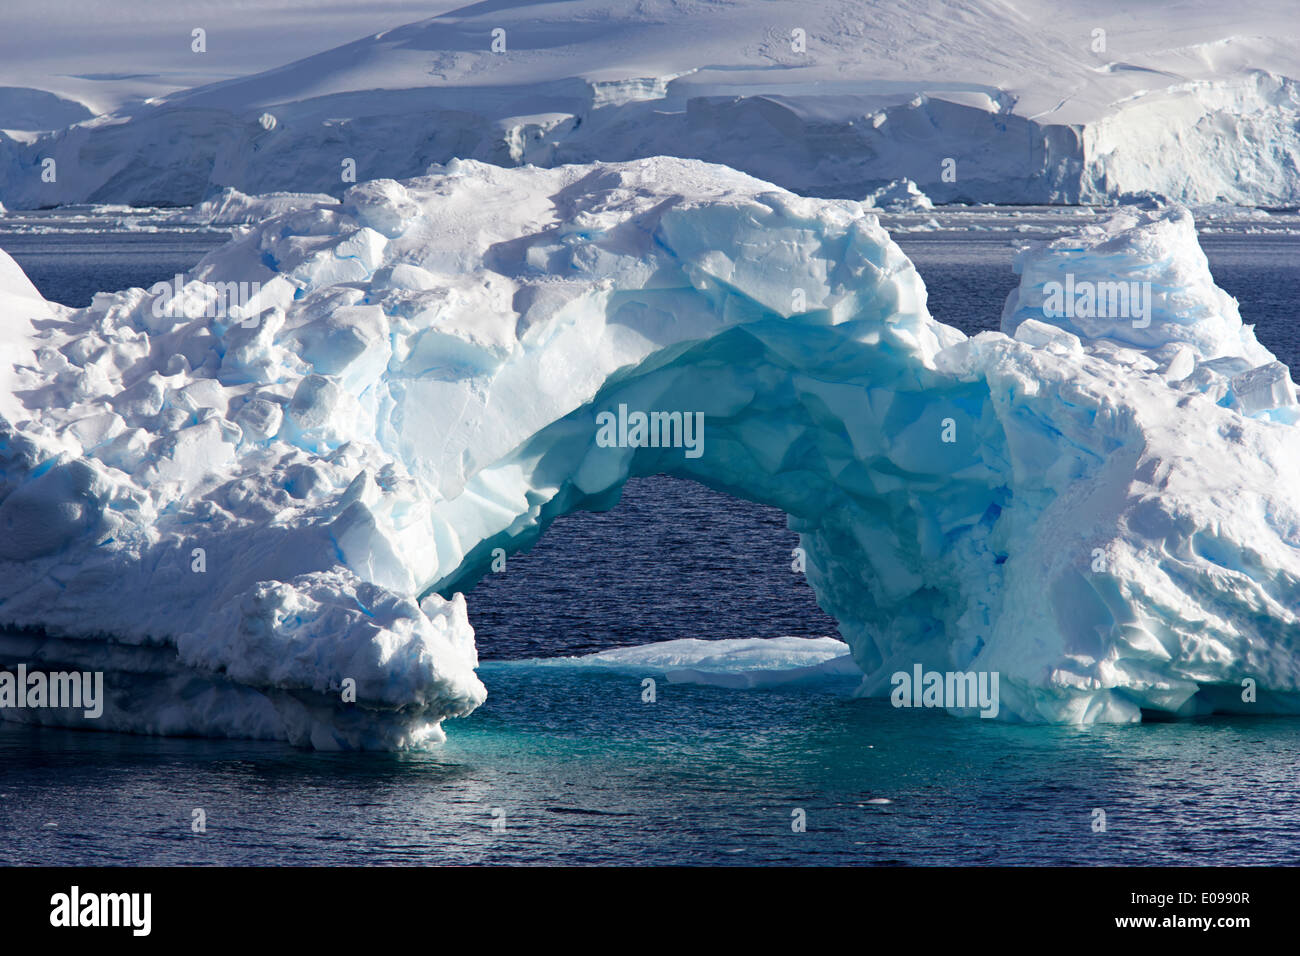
[{"x": 980, "y": 101}]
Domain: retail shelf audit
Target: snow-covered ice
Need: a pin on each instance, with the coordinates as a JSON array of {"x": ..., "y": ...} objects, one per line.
[
  {"x": 230, "y": 207},
  {"x": 1043, "y": 101},
  {"x": 902, "y": 195},
  {"x": 235, "y": 513},
  {"x": 749, "y": 663}
]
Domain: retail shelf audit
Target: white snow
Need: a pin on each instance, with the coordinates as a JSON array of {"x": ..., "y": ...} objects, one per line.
[
  {"x": 112, "y": 56},
  {"x": 993, "y": 103},
  {"x": 1139, "y": 249},
  {"x": 230, "y": 207},
  {"x": 417, "y": 382},
  {"x": 902, "y": 195},
  {"x": 749, "y": 663}
]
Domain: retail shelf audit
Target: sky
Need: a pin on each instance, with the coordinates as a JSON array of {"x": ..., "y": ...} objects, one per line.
[{"x": 107, "y": 52}]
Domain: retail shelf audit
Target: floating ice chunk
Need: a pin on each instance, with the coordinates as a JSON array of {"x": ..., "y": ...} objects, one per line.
[
  {"x": 734, "y": 662},
  {"x": 901, "y": 195}
]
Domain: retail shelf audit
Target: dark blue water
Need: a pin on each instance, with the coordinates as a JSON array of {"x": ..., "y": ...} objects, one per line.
[
  {"x": 583, "y": 771},
  {"x": 969, "y": 279},
  {"x": 71, "y": 268}
]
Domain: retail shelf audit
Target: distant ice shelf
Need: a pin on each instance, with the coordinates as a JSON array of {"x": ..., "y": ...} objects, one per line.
[
  {"x": 247, "y": 497},
  {"x": 1043, "y": 101}
]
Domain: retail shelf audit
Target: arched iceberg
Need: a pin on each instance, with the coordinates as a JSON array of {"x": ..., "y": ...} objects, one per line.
[{"x": 257, "y": 491}]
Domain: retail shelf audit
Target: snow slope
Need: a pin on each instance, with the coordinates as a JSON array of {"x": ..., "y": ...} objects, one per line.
[
  {"x": 236, "y": 511},
  {"x": 981, "y": 101},
  {"x": 103, "y": 57}
]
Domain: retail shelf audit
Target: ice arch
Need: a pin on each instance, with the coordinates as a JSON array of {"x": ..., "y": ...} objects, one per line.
[
  {"x": 413, "y": 378},
  {"x": 853, "y": 451}
]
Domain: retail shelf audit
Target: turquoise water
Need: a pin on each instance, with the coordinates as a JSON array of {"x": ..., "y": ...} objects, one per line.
[
  {"x": 581, "y": 770},
  {"x": 585, "y": 772}
]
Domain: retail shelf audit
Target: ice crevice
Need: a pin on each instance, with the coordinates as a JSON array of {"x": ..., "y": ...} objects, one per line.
[{"x": 236, "y": 514}]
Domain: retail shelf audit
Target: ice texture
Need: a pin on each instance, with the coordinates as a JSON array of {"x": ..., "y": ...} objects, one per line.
[
  {"x": 238, "y": 514},
  {"x": 230, "y": 207},
  {"x": 741, "y": 663},
  {"x": 902, "y": 195}
]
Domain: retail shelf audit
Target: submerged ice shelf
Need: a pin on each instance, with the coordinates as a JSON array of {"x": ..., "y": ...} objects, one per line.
[
  {"x": 239, "y": 496},
  {"x": 749, "y": 663}
]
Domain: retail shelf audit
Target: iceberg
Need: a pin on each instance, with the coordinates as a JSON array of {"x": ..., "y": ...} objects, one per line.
[
  {"x": 258, "y": 509},
  {"x": 902, "y": 195}
]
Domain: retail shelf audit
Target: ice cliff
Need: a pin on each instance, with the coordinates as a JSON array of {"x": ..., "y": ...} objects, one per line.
[
  {"x": 242, "y": 500},
  {"x": 1040, "y": 101}
]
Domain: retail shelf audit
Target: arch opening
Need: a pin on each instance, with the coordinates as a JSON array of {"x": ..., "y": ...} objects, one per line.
[{"x": 895, "y": 479}]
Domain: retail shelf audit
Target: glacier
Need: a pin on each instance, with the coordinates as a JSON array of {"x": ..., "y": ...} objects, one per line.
[
  {"x": 1041, "y": 101},
  {"x": 242, "y": 509}
]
